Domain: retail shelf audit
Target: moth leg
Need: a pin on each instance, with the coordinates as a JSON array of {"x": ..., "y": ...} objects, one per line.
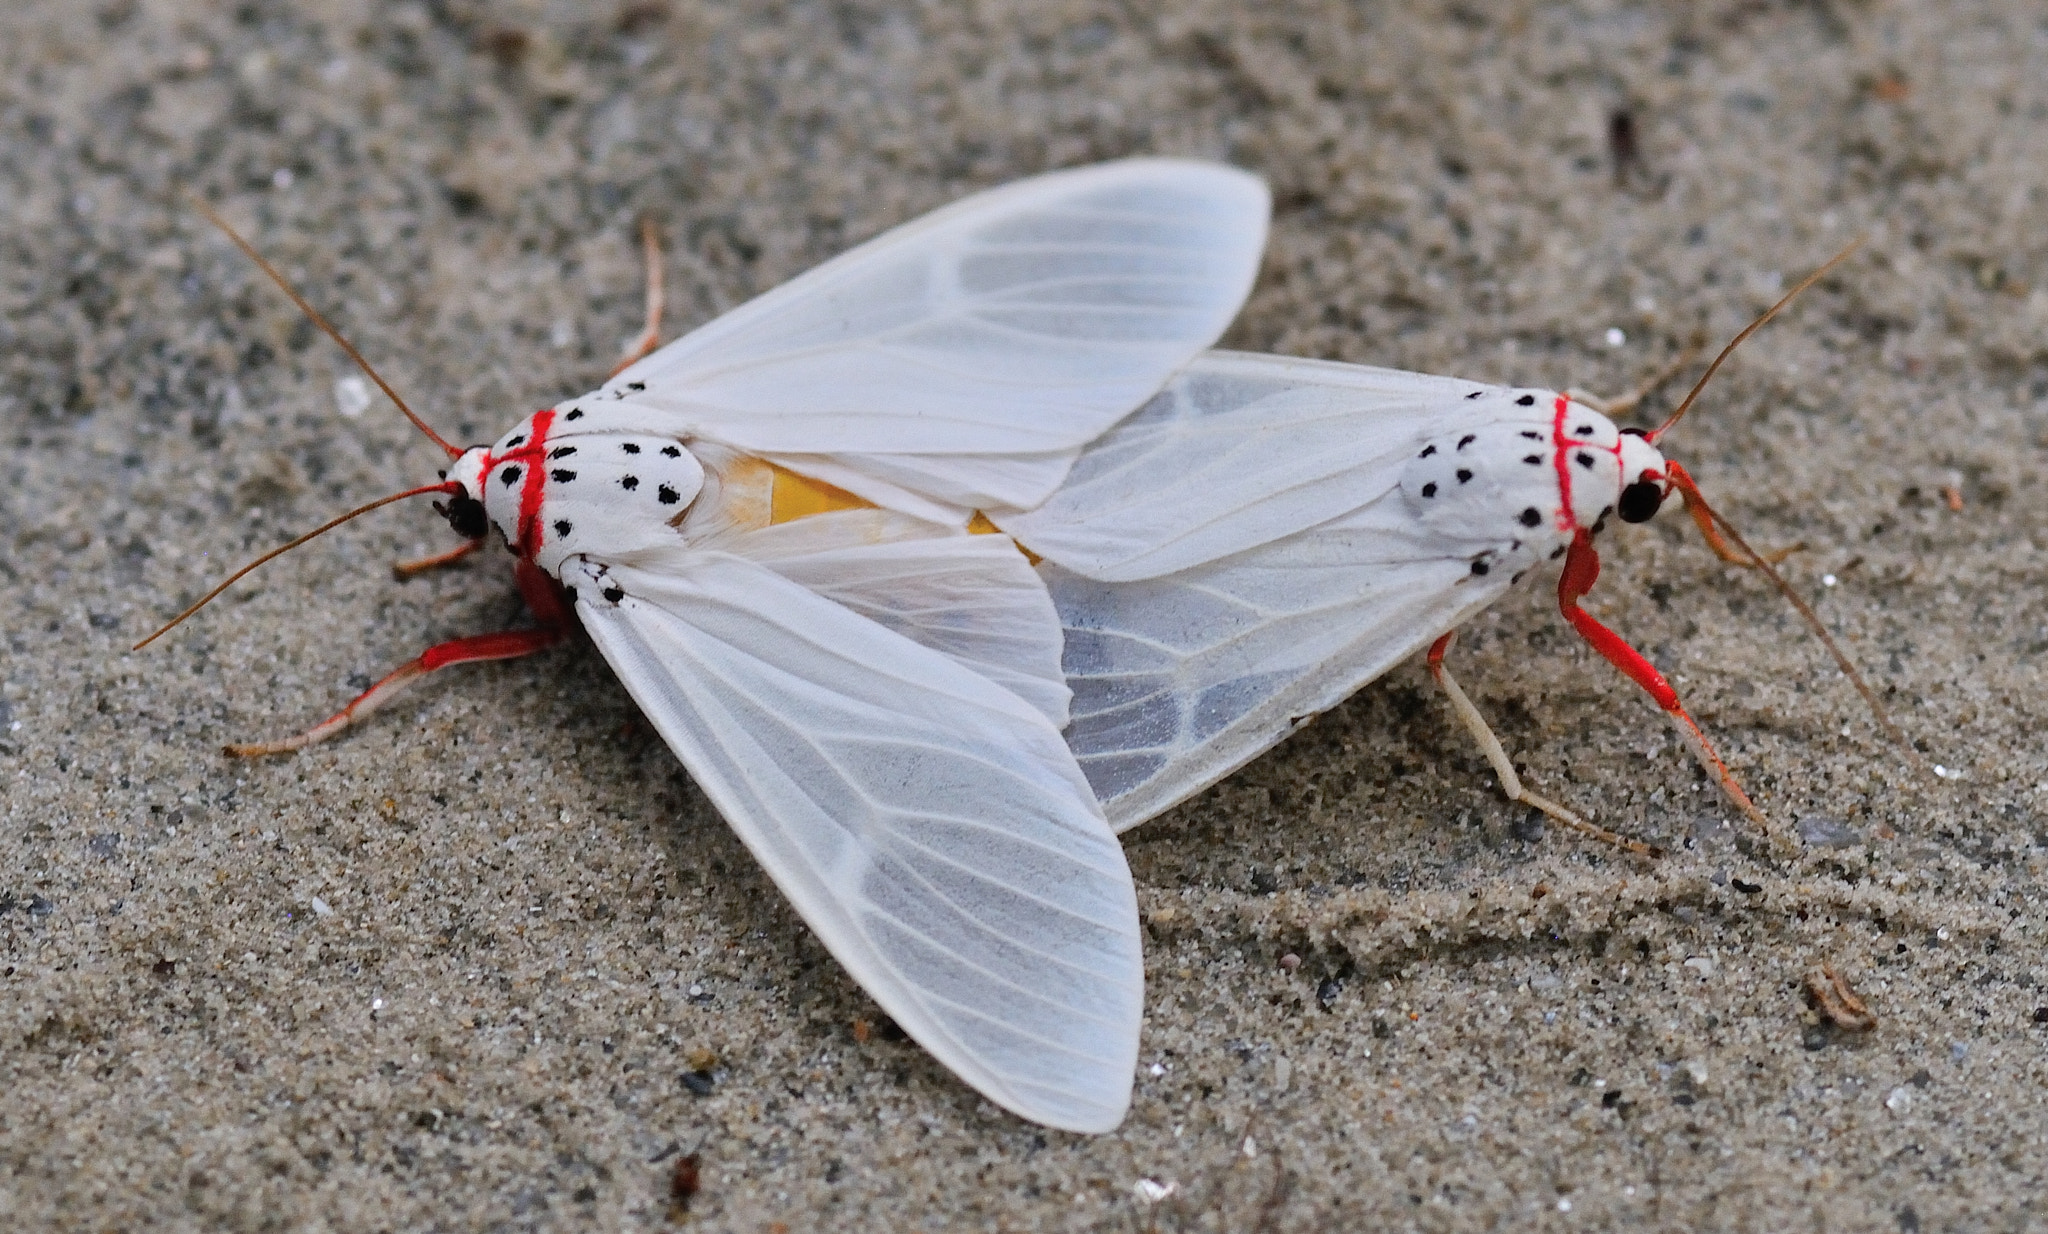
[
  {"x": 1510, "y": 783},
  {"x": 403, "y": 570},
  {"x": 504, "y": 645},
  {"x": 1617, "y": 407},
  {"x": 540, "y": 595},
  {"x": 1704, "y": 519},
  {"x": 1581, "y": 570},
  {"x": 657, "y": 300}
]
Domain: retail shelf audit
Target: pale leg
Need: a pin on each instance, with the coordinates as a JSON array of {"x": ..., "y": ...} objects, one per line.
[{"x": 1496, "y": 754}]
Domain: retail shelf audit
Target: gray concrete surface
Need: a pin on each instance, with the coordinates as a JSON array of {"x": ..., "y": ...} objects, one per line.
[{"x": 454, "y": 971}]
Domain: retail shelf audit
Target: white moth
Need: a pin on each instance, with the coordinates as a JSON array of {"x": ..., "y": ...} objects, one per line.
[
  {"x": 764, "y": 528},
  {"x": 1268, "y": 535}
]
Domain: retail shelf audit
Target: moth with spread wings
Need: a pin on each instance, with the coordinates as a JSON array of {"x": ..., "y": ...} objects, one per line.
[{"x": 764, "y": 528}]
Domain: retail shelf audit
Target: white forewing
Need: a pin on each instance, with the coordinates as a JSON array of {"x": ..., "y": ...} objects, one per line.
[
  {"x": 930, "y": 827},
  {"x": 1021, "y": 321},
  {"x": 1237, "y": 451},
  {"x": 1179, "y": 681},
  {"x": 972, "y": 598}
]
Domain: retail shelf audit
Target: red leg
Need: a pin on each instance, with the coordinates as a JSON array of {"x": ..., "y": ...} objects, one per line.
[
  {"x": 406, "y": 569},
  {"x": 1581, "y": 570},
  {"x": 541, "y": 596},
  {"x": 1503, "y": 767}
]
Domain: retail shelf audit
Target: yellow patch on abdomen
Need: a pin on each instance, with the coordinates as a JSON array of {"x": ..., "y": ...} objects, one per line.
[{"x": 796, "y": 497}]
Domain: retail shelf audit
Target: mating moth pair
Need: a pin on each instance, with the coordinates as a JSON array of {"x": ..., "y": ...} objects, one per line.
[{"x": 795, "y": 535}]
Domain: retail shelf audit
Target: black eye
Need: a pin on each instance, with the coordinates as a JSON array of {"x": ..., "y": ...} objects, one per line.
[
  {"x": 1639, "y": 502},
  {"x": 466, "y": 515}
]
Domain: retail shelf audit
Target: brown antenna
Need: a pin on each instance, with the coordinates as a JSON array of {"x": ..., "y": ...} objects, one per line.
[
  {"x": 314, "y": 315},
  {"x": 1748, "y": 330},
  {"x": 446, "y": 486}
]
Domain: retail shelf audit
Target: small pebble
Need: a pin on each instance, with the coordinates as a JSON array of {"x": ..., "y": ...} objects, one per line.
[
  {"x": 351, "y": 396},
  {"x": 1823, "y": 832},
  {"x": 1290, "y": 961}
]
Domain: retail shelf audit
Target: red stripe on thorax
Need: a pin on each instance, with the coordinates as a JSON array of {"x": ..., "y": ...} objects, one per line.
[
  {"x": 1560, "y": 455},
  {"x": 535, "y": 485}
]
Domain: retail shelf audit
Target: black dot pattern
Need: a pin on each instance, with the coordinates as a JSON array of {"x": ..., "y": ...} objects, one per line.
[
  {"x": 563, "y": 527},
  {"x": 630, "y": 447},
  {"x": 509, "y": 476},
  {"x": 561, "y": 451},
  {"x": 614, "y": 594},
  {"x": 667, "y": 495},
  {"x": 561, "y": 475},
  {"x": 1531, "y": 517},
  {"x": 629, "y": 483}
]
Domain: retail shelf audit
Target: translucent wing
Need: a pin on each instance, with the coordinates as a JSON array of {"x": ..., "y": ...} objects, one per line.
[
  {"x": 1238, "y": 557},
  {"x": 1237, "y": 451},
  {"x": 929, "y": 826},
  {"x": 1020, "y": 321},
  {"x": 1179, "y": 681},
  {"x": 972, "y": 598}
]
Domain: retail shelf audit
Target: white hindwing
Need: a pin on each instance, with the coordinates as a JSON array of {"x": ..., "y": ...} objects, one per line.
[
  {"x": 1267, "y": 563},
  {"x": 1179, "y": 681},
  {"x": 960, "y": 360},
  {"x": 974, "y": 598},
  {"x": 930, "y": 827}
]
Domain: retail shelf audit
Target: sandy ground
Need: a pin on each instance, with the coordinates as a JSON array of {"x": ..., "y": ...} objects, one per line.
[{"x": 491, "y": 962}]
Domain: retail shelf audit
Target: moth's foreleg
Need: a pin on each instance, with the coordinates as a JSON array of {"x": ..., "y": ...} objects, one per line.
[
  {"x": 1581, "y": 569},
  {"x": 403, "y": 570},
  {"x": 1503, "y": 767},
  {"x": 503, "y": 645}
]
